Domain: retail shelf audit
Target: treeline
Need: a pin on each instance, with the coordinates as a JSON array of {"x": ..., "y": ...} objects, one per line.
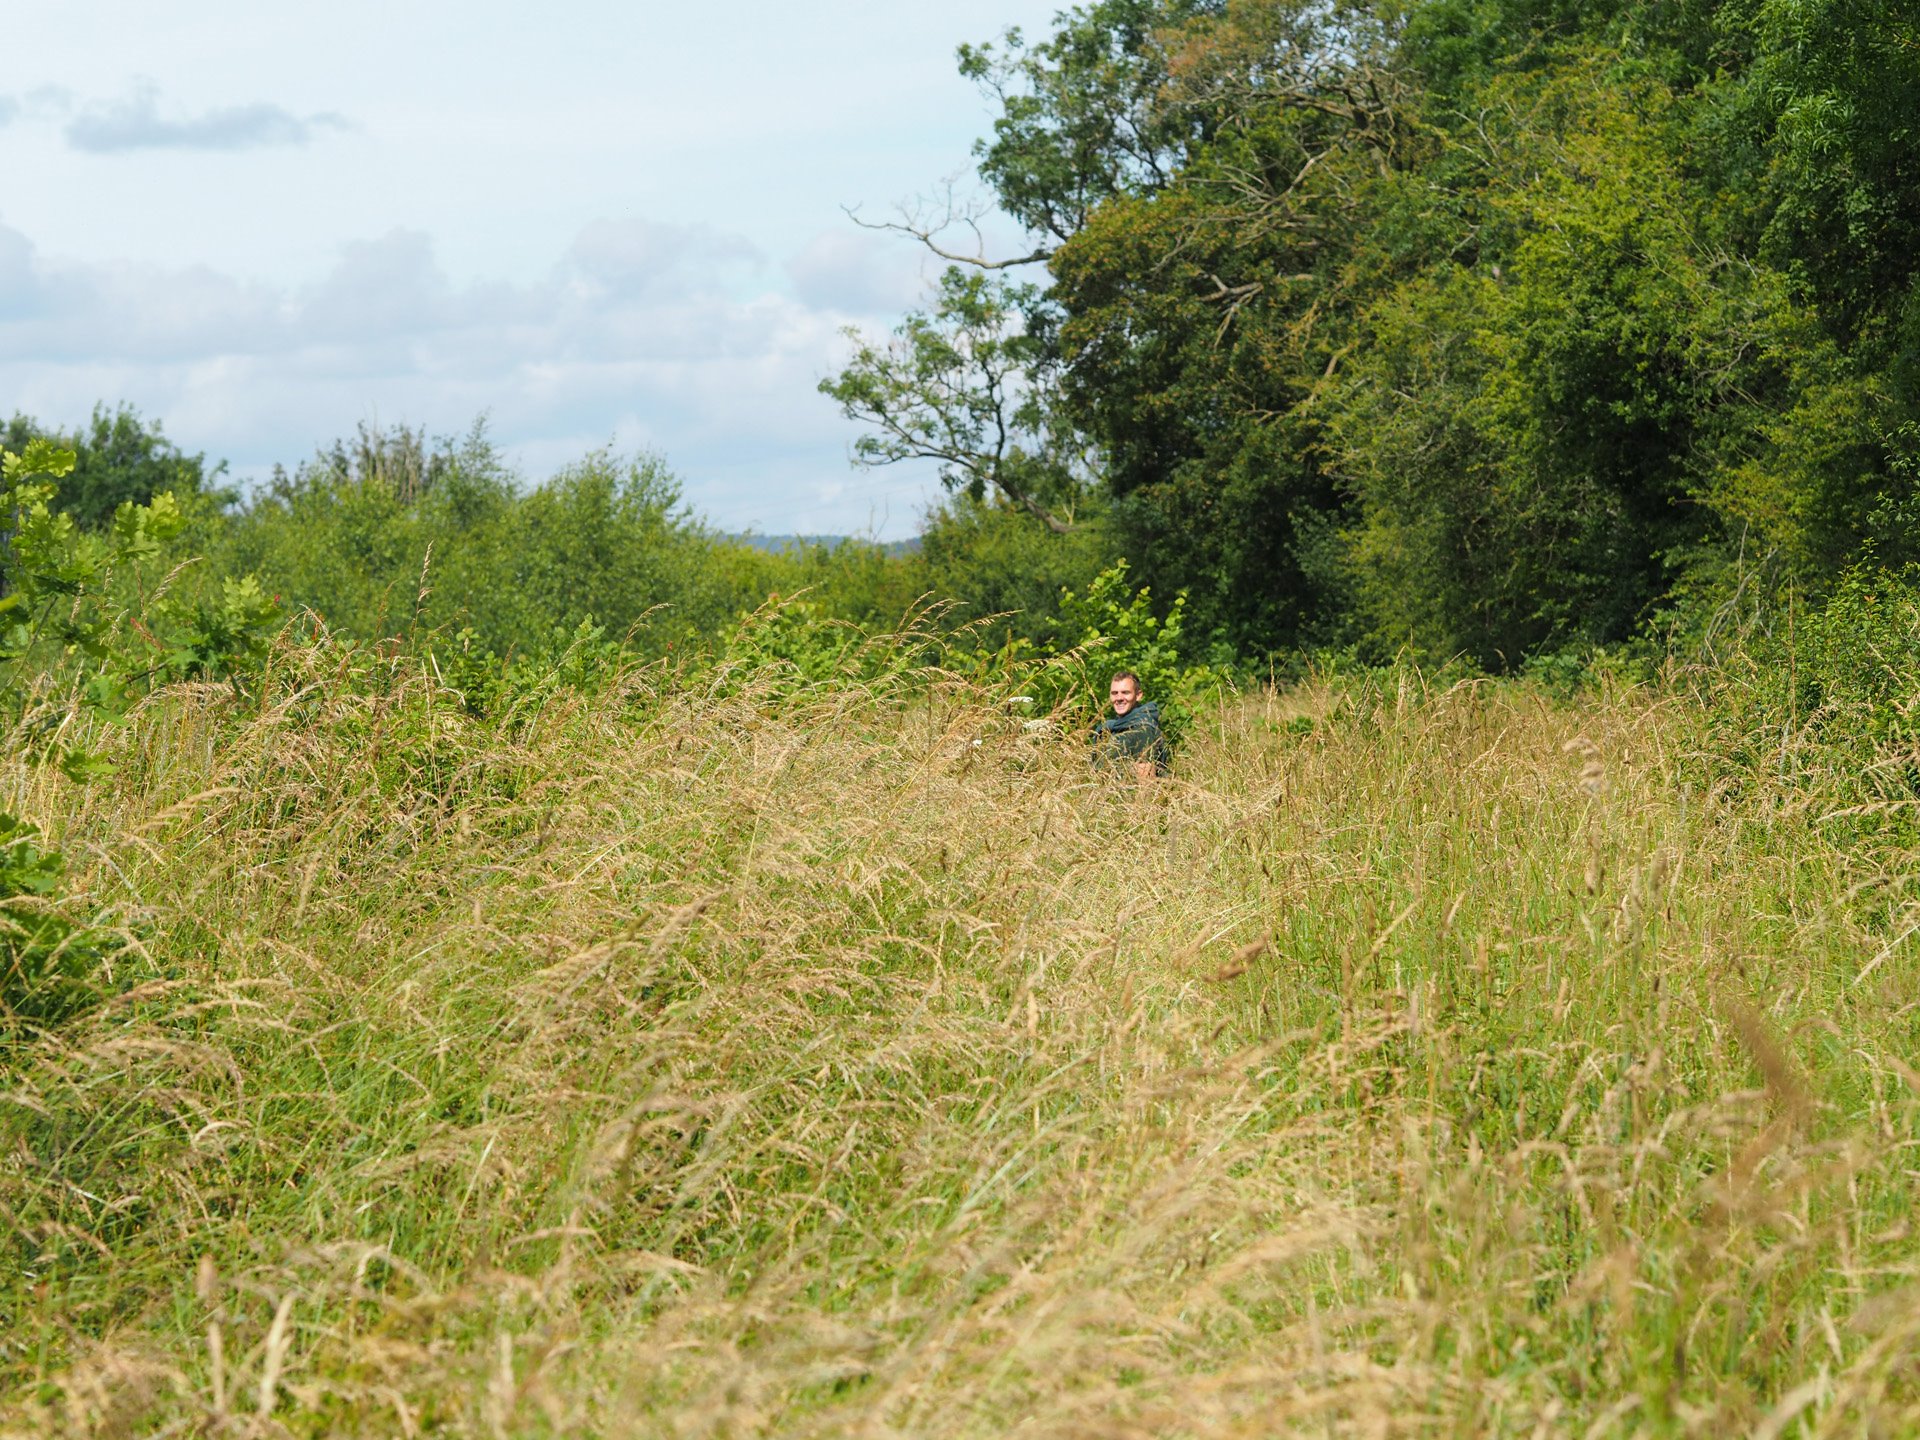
[
  {"x": 393, "y": 533},
  {"x": 1489, "y": 328}
]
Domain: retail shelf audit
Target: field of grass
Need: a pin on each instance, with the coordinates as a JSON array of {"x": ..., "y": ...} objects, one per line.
[{"x": 713, "y": 1058}]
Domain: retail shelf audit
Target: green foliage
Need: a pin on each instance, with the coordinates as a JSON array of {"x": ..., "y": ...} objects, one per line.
[
  {"x": 794, "y": 646},
  {"x": 1567, "y": 673},
  {"x": 1856, "y": 666},
  {"x": 1004, "y": 574},
  {"x": 220, "y": 637},
  {"x": 965, "y": 387},
  {"x": 389, "y": 533},
  {"x": 393, "y": 535},
  {"x": 1484, "y": 329},
  {"x": 1101, "y": 629},
  {"x": 512, "y": 689},
  {"x": 120, "y": 459},
  {"x": 1528, "y": 439},
  {"x": 347, "y": 535},
  {"x": 53, "y": 585},
  {"x": 1110, "y": 616},
  {"x": 1080, "y": 115},
  {"x": 52, "y": 968},
  {"x": 73, "y": 609},
  {"x": 1820, "y": 131},
  {"x": 63, "y": 624},
  {"x": 1203, "y": 313},
  {"x": 796, "y": 637}
]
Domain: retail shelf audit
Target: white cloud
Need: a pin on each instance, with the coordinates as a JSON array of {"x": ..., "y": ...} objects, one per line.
[
  {"x": 135, "y": 123},
  {"x": 627, "y": 257},
  {"x": 19, "y": 276},
  {"x": 382, "y": 289},
  {"x": 126, "y": 314},
  {"x": 858, "y": 272},
  {"x": 678, "y": 339}
]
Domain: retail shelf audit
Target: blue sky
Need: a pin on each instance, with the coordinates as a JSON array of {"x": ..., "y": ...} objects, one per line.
[{"x": 595, "y": 223}]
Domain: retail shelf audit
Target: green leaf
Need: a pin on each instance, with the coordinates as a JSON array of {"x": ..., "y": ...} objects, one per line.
[
  {"x": 41, "y": 457},
  {"x": 106, "y": 696},
  {"x": 25, "y": 869},
  {"x": 80, "y": 765},
  {"x": 130, "y": 536},
  {"x": 164, "y": 517}
]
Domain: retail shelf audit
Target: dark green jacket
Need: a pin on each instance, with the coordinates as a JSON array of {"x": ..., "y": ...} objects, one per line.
[{"x": 1135, "y": 735}]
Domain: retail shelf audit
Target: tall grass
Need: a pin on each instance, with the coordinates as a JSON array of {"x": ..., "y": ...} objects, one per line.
[{"x": 721, "y": 1055}]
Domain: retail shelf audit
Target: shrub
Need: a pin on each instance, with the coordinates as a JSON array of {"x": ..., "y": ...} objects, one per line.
[
  {"x": 794, "y": 645},
  {"x": 1102, "y": 629},
  {"x": 120, "y": 459},
  {"x": 1005, "y": 573}
]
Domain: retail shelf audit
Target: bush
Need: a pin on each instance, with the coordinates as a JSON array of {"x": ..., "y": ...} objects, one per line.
[
  {"x": 796, "y": 645},
  {"x": 1004, "y": 573},
  {"x": 120, "y": 459},
  {"x": 393, "y": 535},
  {"x": 513, "y": 687},
  {"x": 1101, "y": 629}
]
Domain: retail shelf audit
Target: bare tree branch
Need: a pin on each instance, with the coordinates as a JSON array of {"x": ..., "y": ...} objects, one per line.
[{"x": 925, "y": 223}]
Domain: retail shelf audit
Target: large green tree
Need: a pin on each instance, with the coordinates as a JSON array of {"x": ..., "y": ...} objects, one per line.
[{"x": 1484, "y": 326}]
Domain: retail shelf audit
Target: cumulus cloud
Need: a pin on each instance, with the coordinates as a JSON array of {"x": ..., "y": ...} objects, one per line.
[
  {"x": 43, "y": 102},
  {"x": 858, "y": 273},
  {"x": 19, "y": 276},
  {"x": 136, "y": 123},
  {"x": 632, "y": 257},
  {"x": 380, "y": 289},
  {"x": 679, "y": 339},
  {"x": 130, "y": 314}
]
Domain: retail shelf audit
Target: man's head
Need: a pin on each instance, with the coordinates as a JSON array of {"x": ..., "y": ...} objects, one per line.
[{"x": 1124, "y": 691}]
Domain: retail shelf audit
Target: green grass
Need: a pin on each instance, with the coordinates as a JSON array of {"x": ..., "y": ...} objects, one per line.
[{"x": 699, "y": 1059}]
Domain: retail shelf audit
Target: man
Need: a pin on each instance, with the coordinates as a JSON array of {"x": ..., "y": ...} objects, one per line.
[{"x": 1132, "y": 737}]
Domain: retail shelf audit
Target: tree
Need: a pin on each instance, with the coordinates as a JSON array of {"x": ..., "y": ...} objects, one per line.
[
  {"x": 1203, "y": 315},
  {"x": 1484, "y": 325},
  {"x": 967, "y": 386}
]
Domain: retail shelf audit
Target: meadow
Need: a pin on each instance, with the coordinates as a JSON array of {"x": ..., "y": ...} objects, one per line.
[
  {"x": 715, "y": 1052},
  {"x": 486, "y": 953}
]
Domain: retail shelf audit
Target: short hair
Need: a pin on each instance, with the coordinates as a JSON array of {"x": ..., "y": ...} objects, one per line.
[{"x": 1120, "y": 675}]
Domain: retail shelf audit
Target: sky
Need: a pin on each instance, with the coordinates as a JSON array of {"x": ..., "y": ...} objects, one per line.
[{"x": 595, "y": 224}]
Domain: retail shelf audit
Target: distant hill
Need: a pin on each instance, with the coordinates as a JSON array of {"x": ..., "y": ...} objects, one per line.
[{"x": 780, "y": 544}]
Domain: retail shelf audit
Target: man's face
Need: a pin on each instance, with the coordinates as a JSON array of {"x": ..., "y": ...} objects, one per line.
[{"x": 1124, "y": 694}]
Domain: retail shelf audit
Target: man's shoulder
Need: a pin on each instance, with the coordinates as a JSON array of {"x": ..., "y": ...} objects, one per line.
[{"x": 1144, "y": 716}]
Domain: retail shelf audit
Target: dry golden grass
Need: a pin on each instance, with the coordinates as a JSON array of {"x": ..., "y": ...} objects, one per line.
[{"x": 700, "y": 1060}]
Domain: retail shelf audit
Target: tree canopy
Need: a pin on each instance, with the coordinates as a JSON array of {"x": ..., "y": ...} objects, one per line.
[{"x": 1480, "y": 326}]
